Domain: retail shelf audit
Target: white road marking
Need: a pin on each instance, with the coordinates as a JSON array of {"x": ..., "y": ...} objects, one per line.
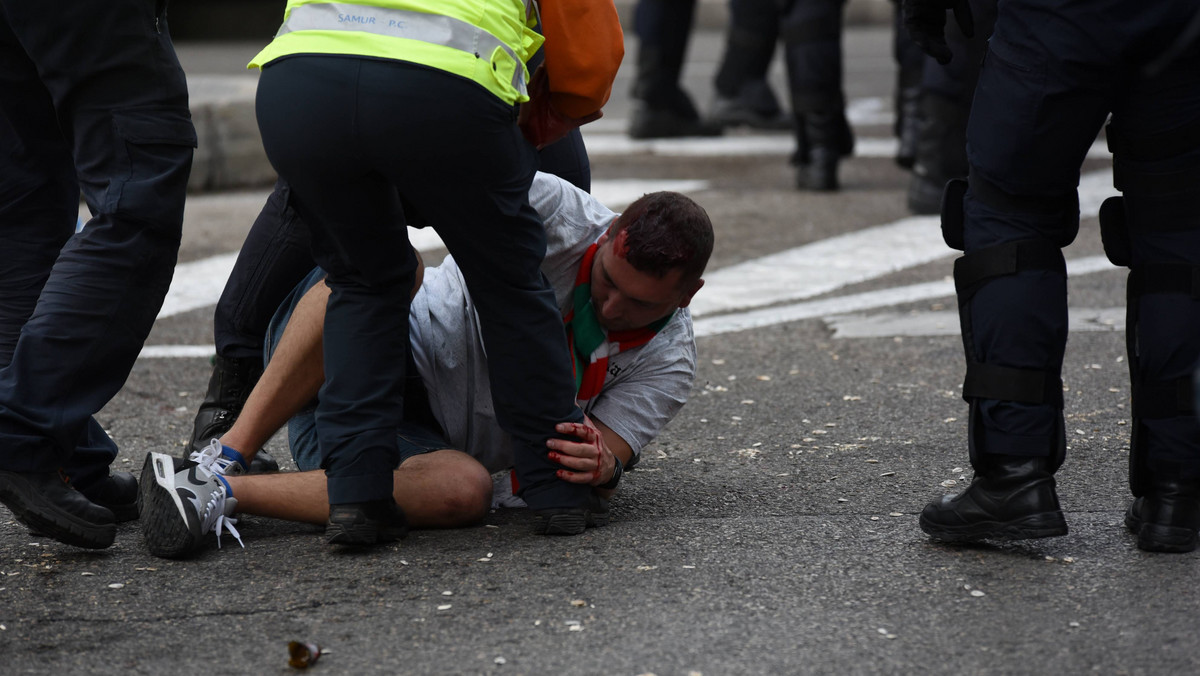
[
  {"x": 870, "y": 300},
  {"x": 829, "y": 264},
  {"x": 600, "y": 144},
  {"x": 945, "y": 323},
  {"x": 177, "y": 351}
]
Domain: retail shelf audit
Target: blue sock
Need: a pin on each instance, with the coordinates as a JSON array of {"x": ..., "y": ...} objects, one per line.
[
  {"x": 224, "y": 482},
  {"x": 233, "y": 455}
]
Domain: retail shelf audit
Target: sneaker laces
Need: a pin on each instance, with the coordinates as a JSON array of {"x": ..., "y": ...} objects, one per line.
[
  {"x": 213, "y": 461},
  {"x": 215, "y": 518}
]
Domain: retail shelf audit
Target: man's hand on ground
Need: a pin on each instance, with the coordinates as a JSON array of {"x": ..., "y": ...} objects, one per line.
[{"x": 587, "y": 461}]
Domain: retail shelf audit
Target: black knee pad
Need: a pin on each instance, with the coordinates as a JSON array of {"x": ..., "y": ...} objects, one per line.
[
  {"x": 990, "y": 381},
  {"x": 1114, "y": 232},
  {"x": 952, "y": 213},
  {"x": 1154, "y": 399}
]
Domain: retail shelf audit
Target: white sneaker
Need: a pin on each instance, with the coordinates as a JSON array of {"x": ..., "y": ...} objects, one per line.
[{"x": 181, "y": 504}]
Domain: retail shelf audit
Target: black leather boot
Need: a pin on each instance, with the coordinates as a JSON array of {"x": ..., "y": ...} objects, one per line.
[
  {"x": 822, "y": 140},
  {"x": 940, "y": 151},
  {"x": 908, "y": 113},
  {"x": 661, "y": 109},
  {"x": 1013, "y": 499},
  {"x": 1167, "y": 517},
  {"x": 228, "y": 388},
  {"x": 117, "y": 492},
  {"x": 48, "y": 504}
]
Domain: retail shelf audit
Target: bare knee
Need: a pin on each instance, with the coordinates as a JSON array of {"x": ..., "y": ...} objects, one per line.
[
  {"x": 471, "y": 498},
  {"x": 444, "y": 489}
]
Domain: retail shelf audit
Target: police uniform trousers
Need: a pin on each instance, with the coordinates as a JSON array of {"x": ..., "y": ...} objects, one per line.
[
  {"x": 92, "y": 99},
  {"x": 376, "y": 132},
  {"x": 1053, "y": 73}
]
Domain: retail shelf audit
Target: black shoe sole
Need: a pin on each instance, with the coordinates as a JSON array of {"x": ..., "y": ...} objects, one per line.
[
  {"x": 1153, "y": 537},
  {"x": 567, "y": 521},
  {"x": 1044, "y": 525},
  {"x": 168, "y": 538},
  {"x": 362, "y": 534},
  {"x": 31, "y": 508}
]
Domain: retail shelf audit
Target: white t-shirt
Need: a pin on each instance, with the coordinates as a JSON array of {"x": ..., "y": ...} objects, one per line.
[{"x": 645, "y": 386}]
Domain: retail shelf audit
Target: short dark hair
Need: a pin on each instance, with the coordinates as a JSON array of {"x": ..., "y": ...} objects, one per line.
[{"x": 665, "y": 231}]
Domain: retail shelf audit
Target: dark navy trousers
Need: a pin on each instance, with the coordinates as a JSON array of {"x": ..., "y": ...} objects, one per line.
[
  {"x": 379, "y": 137},
  {"x": 1054, "y": 71},
  {"x": 96, "y": 103},
  {"x": 811, "y": 32}
]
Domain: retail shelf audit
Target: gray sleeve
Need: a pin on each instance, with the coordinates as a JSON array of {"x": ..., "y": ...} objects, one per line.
[{"x": 641, "y": 401}]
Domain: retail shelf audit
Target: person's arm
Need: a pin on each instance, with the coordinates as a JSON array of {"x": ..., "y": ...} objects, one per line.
[
  {"x": 631, "y": 410},
  {"x": 583, "y": 49}
]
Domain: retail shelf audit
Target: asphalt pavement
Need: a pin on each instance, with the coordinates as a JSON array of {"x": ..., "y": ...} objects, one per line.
[{"x": 771, "y": 529}]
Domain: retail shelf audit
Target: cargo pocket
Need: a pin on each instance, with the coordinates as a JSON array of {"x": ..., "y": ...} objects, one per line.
[{"x": 154, "y": 160}]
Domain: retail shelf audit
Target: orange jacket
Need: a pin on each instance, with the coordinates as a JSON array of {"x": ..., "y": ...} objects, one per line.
[{"x": 584, "y": 47}]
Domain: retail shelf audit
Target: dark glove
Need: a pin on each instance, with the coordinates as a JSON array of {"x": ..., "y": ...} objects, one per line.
[
  {"x": 540, "y": 122},
  {"x": 926, "y": 24}
]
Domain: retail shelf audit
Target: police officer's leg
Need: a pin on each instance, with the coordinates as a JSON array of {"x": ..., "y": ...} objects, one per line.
[
  {"x": 120, "y": 98},
  {"x": 910, "y": 67},
  {"x": 661, "y": 107},
  {"x": 812, "y": 37},
  {"x": 945, "y": 103},
  {"x": 743, "y": 96},
  {"x": 1026, "y": 141},
  {"x": 360, "y": 238},
  {"x": 1155, "y": 138},
  {"x": 470, "y": 171}
]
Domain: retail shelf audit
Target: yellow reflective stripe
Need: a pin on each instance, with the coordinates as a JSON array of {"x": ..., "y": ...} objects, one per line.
[{"x": 432, "y": 28}]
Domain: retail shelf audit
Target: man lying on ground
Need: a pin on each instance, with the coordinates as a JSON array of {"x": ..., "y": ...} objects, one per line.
[{"x": 623, "y": 284}]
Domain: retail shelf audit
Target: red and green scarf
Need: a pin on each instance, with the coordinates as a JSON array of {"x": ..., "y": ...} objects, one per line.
[{"x": 590, "y": 344}]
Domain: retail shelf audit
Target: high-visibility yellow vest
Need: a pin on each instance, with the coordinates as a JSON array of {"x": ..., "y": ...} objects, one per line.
[{"x": 486, "y": 41}]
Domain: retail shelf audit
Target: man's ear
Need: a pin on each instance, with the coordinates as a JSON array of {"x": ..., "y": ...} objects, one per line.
[{"x": 687, "y": 297}]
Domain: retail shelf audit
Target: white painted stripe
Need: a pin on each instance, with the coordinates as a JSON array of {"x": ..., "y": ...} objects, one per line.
[
  {"x": 711, "y": 326},
  {"x": 829, "y": 264},
  {"x": 197, "y": 284},
  {"x": 945, "y": 323},
  {"x": 822, "y": 266},
  {"x": 177, "y": 351},
  {"x": 601, "y": 144}
]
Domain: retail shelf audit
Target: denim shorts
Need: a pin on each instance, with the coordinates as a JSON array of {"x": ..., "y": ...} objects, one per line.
[{"x": 417, "y": 434}]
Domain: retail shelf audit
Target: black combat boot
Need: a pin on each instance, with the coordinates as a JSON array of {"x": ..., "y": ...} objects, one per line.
[
  {"x": 48, "y": 504},
  {"x": 1167, "y": 517},
  {"x": 228, "y": 388},
  {"x": 1012, "y": 499},
  {"x": 363, "y": 524},
  {"x": 940, "y": 151},
  {"x": 908, "y": 114},
  {"x": 117, "y": 492},
  {"x": 661, "y": 109},
  {"x": 822, "y": 140},
  {"x": 754, "y": 106}
]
